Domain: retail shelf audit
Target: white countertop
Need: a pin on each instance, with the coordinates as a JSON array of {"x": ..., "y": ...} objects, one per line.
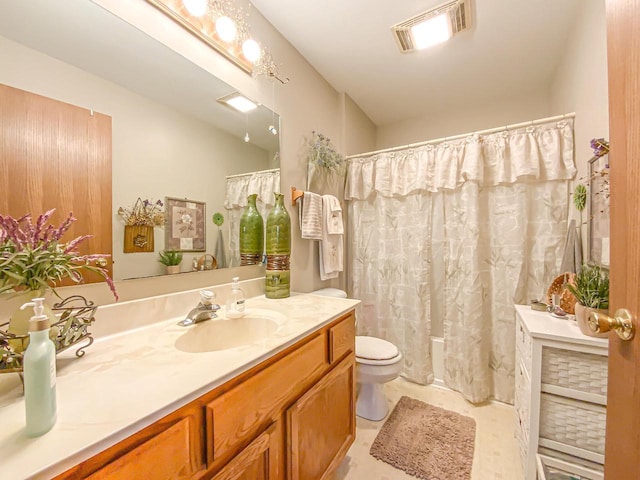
[
  {"x": 128, "y": 380},
  {"x": 543, "y": 325}
]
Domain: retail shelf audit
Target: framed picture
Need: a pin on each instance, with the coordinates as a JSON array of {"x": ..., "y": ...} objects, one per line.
[
  {"x": 598, "y": 238},
  {"x": 185, "y": 225}
]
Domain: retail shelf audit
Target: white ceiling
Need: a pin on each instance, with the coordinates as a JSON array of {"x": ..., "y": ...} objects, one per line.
[{"x": 513, "y": 46}]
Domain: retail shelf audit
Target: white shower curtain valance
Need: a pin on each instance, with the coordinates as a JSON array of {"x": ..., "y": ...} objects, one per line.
[
  {"x": 262, "y": 183},
  {"x": 541, "y": 153}
]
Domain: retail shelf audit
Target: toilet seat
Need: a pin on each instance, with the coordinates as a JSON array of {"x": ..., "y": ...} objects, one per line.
[{"x": 376, "y": 351}]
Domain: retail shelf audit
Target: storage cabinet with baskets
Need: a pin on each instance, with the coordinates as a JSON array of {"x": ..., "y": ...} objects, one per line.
[{"x": 560, "y": 398}]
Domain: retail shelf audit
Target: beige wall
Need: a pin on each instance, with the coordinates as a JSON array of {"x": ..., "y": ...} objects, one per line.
[
  {"x": 479, "y": 116},
  {"x": 157, "y": 151},
  {"x": 580, "y": 83},
  {"x": 359, "y": 131}
]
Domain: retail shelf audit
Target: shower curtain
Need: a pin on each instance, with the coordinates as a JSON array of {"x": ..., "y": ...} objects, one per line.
[
  {"x": 462, "y": 229},
  {"x": 238, "y": 188}
]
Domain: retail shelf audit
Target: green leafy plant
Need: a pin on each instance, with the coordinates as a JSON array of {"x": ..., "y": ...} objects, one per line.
[
  {"x": 591, "y": 287},
  {"x": 170, "y": 258}
]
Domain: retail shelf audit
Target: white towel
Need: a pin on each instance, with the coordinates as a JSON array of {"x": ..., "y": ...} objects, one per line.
[
  {"x": 331, "y": 255},
  {"x": 334, "y": 218},
  {"x": 310, "y": 216}
]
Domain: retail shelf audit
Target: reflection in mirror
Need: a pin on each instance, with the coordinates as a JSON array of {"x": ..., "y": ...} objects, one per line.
[{"x": 170, "y": 137}]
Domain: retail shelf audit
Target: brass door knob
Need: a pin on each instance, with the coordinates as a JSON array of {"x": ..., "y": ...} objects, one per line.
[
  {"x": 621, "y": 322},
  {"x": 101, "y": 262}
]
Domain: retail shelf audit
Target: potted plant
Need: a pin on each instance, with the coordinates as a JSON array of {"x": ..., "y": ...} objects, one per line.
[
  {"x": 591, "y": 288},
  {"x": 171, "y": 259}
]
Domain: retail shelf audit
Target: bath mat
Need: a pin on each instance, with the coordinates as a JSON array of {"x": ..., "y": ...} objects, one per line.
[{"x": 427, "y": 442}]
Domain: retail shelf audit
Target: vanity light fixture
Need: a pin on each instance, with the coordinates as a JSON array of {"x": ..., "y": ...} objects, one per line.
[
  {"x": 197, "y": 8},
  {"x": 223, "y": 25},
  {"x": 433, "y": 26}
]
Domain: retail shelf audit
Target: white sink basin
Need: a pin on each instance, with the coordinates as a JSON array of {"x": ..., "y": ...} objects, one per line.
[{"x": 225, "y": 333}]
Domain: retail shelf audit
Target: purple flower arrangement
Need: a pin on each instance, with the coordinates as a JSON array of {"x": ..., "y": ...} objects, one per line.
[
  {"x": 600, "y": 147},
  {"x": 34, "y": 257}
]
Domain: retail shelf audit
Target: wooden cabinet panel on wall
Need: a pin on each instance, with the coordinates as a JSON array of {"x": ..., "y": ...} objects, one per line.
[
  {"x": 321, "y": 424},
  {"x": 57, "y": 155}
]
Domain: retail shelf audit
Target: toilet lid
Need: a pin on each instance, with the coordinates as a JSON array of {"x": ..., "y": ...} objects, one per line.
[{"x": 372, "y": 348}]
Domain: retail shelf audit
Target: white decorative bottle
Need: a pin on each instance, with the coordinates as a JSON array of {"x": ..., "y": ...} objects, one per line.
[
  {"x": 235, "y": 302},
  {"x": 39, "y": 371}
]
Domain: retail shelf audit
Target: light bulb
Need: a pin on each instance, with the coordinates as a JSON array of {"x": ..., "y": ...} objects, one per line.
[
  {"x": 251, "y": 50},
  {"x": 246, "y": 137},
  {"x": 197, "y": 8},
  {"x": 273, "y": 130},
  {"x": 226, "y": 29}
]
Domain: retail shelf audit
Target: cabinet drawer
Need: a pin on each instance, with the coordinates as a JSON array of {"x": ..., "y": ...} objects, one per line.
[
  {"x": 572, "y": 422},
  {"x": 586, "y": 372},
  {"x": 237, "y": 416},
  {"x": 549, "y": 468},
  {"x": 165, "y": 456},
  {"x": 342, "y": 338}
]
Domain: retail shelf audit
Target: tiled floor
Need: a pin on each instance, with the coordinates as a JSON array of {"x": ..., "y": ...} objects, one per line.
[{"x": 495, "y": 455}]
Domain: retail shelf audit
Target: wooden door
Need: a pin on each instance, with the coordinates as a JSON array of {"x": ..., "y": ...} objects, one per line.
[
  {"x": 57, "y": 155},
  {"x": 321, "y": 425},
  {"x": 622, "y": 459},
  {"x": 257, "y": 461}
]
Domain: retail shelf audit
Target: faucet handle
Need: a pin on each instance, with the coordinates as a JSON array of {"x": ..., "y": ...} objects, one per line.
[{"x": 206, "y": 297}]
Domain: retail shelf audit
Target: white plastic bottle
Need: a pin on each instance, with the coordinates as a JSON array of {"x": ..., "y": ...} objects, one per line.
[
  {"x": 235, "y": 302},
  {"x": 39, "y": 371}
]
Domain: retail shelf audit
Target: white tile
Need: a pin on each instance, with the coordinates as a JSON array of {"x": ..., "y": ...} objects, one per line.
[{"x": 495, "y": 454}]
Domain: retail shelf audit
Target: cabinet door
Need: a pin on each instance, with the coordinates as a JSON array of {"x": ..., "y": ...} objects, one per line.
[
  {"x": 167, "y": 456},
  {"x": 258, "y": 461},
  {"x": 321, "y": 424}
]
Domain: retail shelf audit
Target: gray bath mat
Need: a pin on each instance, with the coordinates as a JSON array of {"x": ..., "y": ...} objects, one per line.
[{"x": 426, "y": 441}]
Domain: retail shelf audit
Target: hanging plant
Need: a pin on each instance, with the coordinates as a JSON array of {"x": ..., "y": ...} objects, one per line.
[{"x": 322, "y": 153}]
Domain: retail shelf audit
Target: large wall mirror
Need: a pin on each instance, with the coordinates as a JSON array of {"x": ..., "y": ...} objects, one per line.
[{"x": 170, "y": 135}]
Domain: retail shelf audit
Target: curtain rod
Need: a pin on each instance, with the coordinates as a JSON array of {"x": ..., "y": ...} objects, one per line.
[
  {"x": 456, "y": 137},
  {"x": 253, "y": 173}
]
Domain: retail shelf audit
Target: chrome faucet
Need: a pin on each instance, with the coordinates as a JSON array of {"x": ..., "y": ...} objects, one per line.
[{"x": 205, "y": 310}]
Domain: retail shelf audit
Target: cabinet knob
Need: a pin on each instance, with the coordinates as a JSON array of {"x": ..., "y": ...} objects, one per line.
[{"x": 621, "y": 322}]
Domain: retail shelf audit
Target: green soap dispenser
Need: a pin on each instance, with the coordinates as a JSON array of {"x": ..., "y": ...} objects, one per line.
[{"x": 39, "y": 371}]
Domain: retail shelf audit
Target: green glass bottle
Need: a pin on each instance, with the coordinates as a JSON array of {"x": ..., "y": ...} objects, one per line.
[
  {"x": 278, "y": 251},
  {"x": 251, "y": 233}
]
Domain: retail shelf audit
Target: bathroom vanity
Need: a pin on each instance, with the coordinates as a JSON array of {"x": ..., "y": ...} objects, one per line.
[
  {"x": 560, "y": 397},
  {"x": 278, "y": 405}
]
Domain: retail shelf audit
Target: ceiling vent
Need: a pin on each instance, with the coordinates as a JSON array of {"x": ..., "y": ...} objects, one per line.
[{"x": 458, "y": 12}]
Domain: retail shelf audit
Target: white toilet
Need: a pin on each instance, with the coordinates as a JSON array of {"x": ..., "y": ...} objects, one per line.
[{"x": 378, "y": 362}]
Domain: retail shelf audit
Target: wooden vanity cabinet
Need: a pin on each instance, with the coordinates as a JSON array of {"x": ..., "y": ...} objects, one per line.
[{"x": 289, "y": 417}]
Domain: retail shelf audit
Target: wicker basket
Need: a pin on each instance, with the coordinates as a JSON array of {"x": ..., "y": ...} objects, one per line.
[
  {"x": 557, "y": 287},
  {"x": 571, "y": 422},
  {"x": 581, "y": 371}
]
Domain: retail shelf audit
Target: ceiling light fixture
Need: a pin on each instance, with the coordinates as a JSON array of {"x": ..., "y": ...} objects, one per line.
[
  {"x": 238, "y": 102},
  {"x": 431, "y": 32},
  {"x": 433, "y": 26}
]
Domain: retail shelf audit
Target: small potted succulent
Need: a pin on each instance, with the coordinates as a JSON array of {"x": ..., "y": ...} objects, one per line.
[
  {"x": 171, "y": 259},
  {"x": 591, "y": 289}
]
